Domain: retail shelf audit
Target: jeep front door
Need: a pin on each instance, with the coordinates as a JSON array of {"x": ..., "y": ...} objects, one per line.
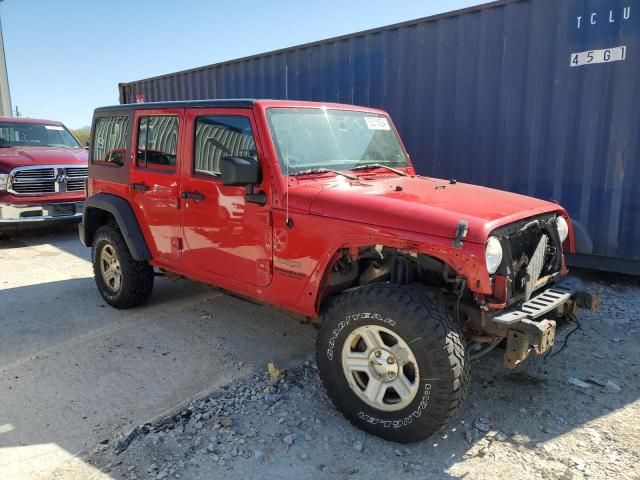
[
  {"x": 155, "y": 186},
  {"x": 223, "y": 233}
]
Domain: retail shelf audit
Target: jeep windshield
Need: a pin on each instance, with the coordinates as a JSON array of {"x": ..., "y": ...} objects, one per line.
[
  {"x": 321, "y": 139},
  {"x": 24, "y": 134}
]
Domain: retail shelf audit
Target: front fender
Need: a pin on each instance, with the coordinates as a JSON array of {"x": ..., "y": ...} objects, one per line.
[{"x": 468, "y": 262}]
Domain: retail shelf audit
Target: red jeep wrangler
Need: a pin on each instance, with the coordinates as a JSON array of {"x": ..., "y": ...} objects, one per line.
[
  {"x": 317, "y": 209},
  {"x": 43, "y": 170}
]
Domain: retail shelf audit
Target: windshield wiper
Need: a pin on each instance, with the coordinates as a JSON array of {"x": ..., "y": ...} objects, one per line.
[
  {"x": 372, "y": 166},
  {"x": 311, "y": 171}
]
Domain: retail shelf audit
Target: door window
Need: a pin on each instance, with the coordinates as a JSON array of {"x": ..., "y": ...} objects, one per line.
[
  {"x": 157, "y": 142},
  {"x": 109, "y": 141},
  {"x": 222, "y": 136}
]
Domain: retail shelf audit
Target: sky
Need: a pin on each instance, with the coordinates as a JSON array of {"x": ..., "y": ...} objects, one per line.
[{"x": 66, "y": 57}]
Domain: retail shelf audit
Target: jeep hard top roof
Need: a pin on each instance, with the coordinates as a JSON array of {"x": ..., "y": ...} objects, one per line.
[{"x": 230, "y": 103}]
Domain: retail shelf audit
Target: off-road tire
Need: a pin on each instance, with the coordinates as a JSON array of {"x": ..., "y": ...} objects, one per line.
[
  {"x": 137, "y": 277},
  {"x": 435, "y": 340}
]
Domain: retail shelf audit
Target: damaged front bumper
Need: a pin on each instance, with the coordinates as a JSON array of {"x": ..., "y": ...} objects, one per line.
[{"x": 531, "y": 327}]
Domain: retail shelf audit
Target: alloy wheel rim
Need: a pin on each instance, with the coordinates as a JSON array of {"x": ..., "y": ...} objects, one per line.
[
  {"x": 380, "y": 368},
  {"x": 110, "y": 268}
]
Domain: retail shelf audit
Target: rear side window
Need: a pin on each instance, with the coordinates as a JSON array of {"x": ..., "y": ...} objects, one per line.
[
  {"x": 110, "y": 141},
  {"x": 157, "y": 142},
  {"x": 222, "y": 136}
]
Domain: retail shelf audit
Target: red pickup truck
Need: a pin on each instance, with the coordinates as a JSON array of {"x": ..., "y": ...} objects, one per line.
[
  {"x": 317, "y": 209},
  {"x": 43, "y": 170}
]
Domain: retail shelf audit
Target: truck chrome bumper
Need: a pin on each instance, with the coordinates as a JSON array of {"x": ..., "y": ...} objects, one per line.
[{"x": 49, "y": 212}]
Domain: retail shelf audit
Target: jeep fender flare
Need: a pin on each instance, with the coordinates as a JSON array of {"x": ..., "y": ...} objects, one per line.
[{"x": 121, "y": 210}]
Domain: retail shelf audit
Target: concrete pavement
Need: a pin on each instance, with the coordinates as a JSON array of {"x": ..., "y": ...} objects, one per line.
[{"x": 72, "y": 369}]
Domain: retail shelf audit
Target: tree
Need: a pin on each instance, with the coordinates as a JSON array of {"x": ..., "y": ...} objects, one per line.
[{"x": 82, "y": 134}]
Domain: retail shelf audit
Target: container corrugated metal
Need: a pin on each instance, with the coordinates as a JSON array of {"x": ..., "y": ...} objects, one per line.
[{"x": 488, "y": 95}]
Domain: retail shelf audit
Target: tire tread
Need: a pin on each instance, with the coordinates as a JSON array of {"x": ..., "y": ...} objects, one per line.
[{"x": 451, "y": 355}]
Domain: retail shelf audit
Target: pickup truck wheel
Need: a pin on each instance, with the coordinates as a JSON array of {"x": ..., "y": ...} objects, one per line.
[
  {"x": 122, "y": 281},
  {"x": 392, "y": 362}
]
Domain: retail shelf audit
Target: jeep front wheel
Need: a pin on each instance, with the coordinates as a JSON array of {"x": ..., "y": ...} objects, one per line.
[
  {"x": 392, "y": 362},
  {"x": 122, "y": 281}
]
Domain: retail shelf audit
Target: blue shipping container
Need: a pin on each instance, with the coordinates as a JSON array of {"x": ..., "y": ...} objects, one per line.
[{"x": 539, "y": 97}]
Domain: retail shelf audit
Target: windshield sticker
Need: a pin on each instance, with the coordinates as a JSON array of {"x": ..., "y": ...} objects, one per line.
[
  {"x": 53, "y": 127},
  {"x": 99, "y": 142},
  {"x": 377, "y": 123}
]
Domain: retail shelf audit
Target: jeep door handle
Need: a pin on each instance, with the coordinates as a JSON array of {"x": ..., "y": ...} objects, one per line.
[
  {"x": 192, "y": 195},
  {"x": 139, "y": 186}
]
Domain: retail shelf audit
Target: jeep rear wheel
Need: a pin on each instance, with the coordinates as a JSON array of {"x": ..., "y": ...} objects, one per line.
[
  {"x": 122, "y": 281},
  {"x": 110, "y": 268},
  {"x": 392, "y": 362}
]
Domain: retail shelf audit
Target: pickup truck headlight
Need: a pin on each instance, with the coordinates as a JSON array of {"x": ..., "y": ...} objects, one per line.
[
  {"x": 4, "y": 181},
  {"x": 493, "y": 254},
  {"x": 563, "y": 228}
]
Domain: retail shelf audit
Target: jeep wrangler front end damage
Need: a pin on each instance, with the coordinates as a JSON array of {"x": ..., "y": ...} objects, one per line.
[{"x": 530, "y": 328}]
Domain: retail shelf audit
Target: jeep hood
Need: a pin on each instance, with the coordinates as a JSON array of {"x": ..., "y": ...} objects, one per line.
[
  {"x": 27, "y": 156},
  {"x": 423, "y": 205}
]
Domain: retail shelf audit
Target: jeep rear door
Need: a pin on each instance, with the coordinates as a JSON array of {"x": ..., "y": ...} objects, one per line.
[
  {"x": 155, "y": 179},
  {"x": 223, "y": 233}
]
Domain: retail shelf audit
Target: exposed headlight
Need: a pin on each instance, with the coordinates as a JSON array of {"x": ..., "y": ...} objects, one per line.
[
  {"x": 493, "y": 254},
  {"x": 4, "y": 181},
  {"x": 563, "y": 228}
]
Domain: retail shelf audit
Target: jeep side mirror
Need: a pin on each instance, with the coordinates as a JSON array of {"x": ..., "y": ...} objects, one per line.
[
  {"x": 243, "y": 172},
  {"x": 239, "y": 171}
]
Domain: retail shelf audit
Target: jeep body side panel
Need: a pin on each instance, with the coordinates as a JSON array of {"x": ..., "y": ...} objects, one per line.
[
  {"x": 303, "y": 254},
  {"x": 124, "y": 216},
  {"x": 155, "y": 178},
  {"x": 223, "y": 233}
]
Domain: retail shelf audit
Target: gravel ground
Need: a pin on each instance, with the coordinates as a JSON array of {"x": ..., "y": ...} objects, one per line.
[{"x": 571, "y": 417}]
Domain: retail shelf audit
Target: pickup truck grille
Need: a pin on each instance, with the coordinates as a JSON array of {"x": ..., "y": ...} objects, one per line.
[
  {"x": 47, "y": 180},
  {"x": 532, "y": 253}
]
